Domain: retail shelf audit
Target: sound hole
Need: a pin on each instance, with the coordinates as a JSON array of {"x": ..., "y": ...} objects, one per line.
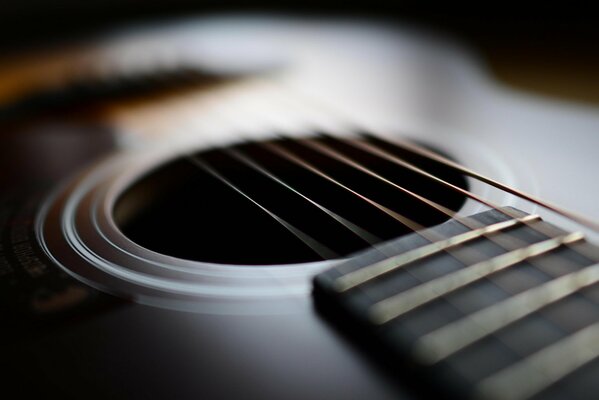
[{"x": 182, "y": 210}]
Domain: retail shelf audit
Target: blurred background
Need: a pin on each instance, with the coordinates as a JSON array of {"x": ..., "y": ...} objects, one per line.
[{"x": 550, "y": 49}]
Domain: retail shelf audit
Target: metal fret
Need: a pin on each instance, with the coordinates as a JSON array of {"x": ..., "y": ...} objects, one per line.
[
  {"x": 445, "y": 341},
  {"x": 538, "y": 371},
  {"x": 395, "y": 306},
  {"x": 363, "y": 275}
]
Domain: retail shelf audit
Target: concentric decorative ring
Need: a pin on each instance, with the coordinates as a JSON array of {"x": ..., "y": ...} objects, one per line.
[{"x": 77, "y": 229}]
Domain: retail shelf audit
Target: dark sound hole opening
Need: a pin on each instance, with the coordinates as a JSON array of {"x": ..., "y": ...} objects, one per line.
[{"x": 182, "y": 211}]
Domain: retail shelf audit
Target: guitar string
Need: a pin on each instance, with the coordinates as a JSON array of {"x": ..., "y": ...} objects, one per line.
[
  {"x": 367, "y": 236},
  {"x": 470, "y": 223},
  {"x": 422, "y": 151},
  {"x": 318, "y": 247},
  {"x": 373, "y": 149},
  {"x": 540, "y": 228},
  {"x": 405, "y": 164},
  {"x": 438, "y": 158},
  {"x": 502, "y": 243},
  {"x": 353, "y": 125},
  {"x": 300, "y": 194},
  {"x": 590, "y": 253},
  {"x": 412, "y": 225},
  {"x": 461, "y": 309},
  {"x": 440, "y": 208}
]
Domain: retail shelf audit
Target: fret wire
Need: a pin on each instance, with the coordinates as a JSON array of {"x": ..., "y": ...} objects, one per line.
[
  {"x": 543, "y": 368},
  {"x": 445, "y": 341},
  {"x": 399, "y": 304},
  {"x": 315, "y": 245},
  {"x": 366, "y": 274}
]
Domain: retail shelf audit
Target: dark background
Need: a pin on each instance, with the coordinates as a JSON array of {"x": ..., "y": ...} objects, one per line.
[{"x": 549, "y": 48}]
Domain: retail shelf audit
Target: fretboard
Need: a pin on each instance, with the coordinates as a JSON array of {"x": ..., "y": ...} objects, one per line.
[{"x": 505, "y": 311}]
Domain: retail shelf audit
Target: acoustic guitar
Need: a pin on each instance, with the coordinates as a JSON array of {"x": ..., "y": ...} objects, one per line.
[{"x": 260, "y": 207}]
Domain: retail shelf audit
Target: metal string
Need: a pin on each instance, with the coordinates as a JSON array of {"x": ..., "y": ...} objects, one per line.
[{"x": 353, "y": 125}]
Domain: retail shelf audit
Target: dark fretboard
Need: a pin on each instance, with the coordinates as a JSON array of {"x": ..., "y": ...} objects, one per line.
[{"x": 518, "y": 320}]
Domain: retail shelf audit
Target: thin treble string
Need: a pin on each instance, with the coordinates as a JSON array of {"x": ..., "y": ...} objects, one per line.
[
  {"x": 362, "y": 233},
  {"x": 184, "y": 123},
  {"x": 319, "y": 248},
  {"x": 357, "y": 230}
]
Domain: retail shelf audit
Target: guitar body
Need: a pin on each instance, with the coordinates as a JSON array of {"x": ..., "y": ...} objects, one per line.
[{"x": 90, "y": 312}]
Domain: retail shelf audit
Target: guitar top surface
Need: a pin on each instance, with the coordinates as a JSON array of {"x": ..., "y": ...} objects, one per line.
[{"x": 172, "y": 198}]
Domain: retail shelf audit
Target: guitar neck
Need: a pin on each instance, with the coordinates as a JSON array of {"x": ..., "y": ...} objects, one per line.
[{"x": 504, "y": 311}]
